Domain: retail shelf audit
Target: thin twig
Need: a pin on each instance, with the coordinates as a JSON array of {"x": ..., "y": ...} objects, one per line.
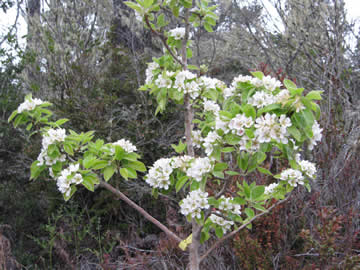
[{"x": 219, "y": 241}]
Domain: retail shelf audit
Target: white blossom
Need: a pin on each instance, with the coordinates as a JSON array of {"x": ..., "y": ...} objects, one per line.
[
  {"x": 159, "y": 174},
  {"x": 194, "y": 202},
  {"x": 269, "y": 127},
  {"x": 294, "y": 177},
  {"x": 126, "y": 145},
  {"x": 224, "y": 224},
  {"x": 308, "y": 168},
  {"x": 270, "y": 83},
  {"x": 209, "y": 142},
  {"x": 211, "y": 106},
  {"x": 238, "y": 124},
  {"x": 199, "y": 167},
  {"x": 227, "y": 205},
  {"x": 149, "y": 71},
  {"x": 29, "y": 104},
  {"x": 316, "y": 135},
  {"x": 177, "y": 33},
  {"x": 261, "y": 99},
  {"x": 271, "y": 188}
]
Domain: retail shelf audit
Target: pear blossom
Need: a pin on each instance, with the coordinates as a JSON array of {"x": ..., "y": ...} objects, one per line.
[
  {"x": 29, "y": 104},
  {"x": 271, "y": 188},
  {"x": 149, "y": 72},
  {"x": 126, "y": 145},
  {"x": 308, "y": 168},
  {"x": 316, "y": 135},
  {"x": 159, "y": 174},
  {"x": 177, "y": 33},
  {"x": 224, "y": 224},
  {"x": 199, "y": 167},
  {"x": 194, "y": 202},
  {"x": 294, "y": 177}
]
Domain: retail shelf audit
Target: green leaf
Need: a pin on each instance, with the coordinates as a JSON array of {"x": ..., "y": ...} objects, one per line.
[
  {"x": 147, "y": 3},
  {"x": 228, "y": 149},
  {"x": 61, "y": 121},
  {"x": 256, "y": 192},
  {"x": 36, "y": 170},
  {"x": 88, "y": 183},
  {"x": 232, "y": 139},
  {"x": 131, "y": 173},
  {"x": 232, "y": 173},
  {"x": 189, "y": 53},
  {"x": 29, "y": 126},
  {"x": 268, "y": 108},
  {"x": 260, "y": 157},
  {"x": 161, "y": 20},
  {"x": 72, "y": 192},
  {"x": 219, "y": 231},
  {"x": 250, "y": 213},
  {"x": 119, "y": 152},
  {"x": 243, "y": 160},
  {"x": 137, "y": 165},
  {"x": 124, "y": 173},
  {"x": 179, "y": 148},
  {"x": 258, "y": 74},
  {"x": 99, "y": 164},
  {"x": 108, "y": 172},
  {"x": 289, "y": 85},
  {"x": 14, "y": 113},
  {"x": 295, "y": 133},
  {"x": 88, "y": 160},
  {"x": 131, "y": 156},
  {"x": 208, "y": 27},
  {"x": 218, "y": 174},
  {"x": 134, "y": 6},
  {"x": 68, "y": 149},
  {"x": 249, "y": 111},
  {"x": 192, "y": 67},
  {"x": 204, "y": 236},
  {"x": 239, "y": 200},
  {"x": 181, "y": 182},
  {"x": 264, "y": 171},
  {"x": 220, "y": 166},
  {"x": 314, "y": 95},
  {"x": 246, "y": 190}
]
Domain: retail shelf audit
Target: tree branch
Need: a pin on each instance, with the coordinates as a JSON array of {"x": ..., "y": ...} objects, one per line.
[{"x": 123, "y": 197}]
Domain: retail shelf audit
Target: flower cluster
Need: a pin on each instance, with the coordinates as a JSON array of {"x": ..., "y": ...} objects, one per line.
[
  {"x": 308, "y": 168},
  {"x": 224, "y": 224},
  {"x": 199, "y": 167},
  {"x": 208, "y": 142},
  {"x": 164, "y": 80},
  {"x": 29, "y": 104},
  {"x": 294, "y": 177},
  {"x": 177, "y": 33},
  {"x": 159, "y": 174},
  {"x": 67, "y": 177},
  {"x": 194, "y": 202},
  {"x": 226, "y": 205},
  {"x": 52, "y": 136},
  {"x": 270, "y": 127},
  {"x": 267, "y": 82},
  {"x": 238, "y": 124},
  {"x": 270, "y": 188},
  {"x": 261, "y": 99},
  {"x": 316, "y": 135},
  {"x": 126, "y": 145},
  {"x": 149, "y": 71}
]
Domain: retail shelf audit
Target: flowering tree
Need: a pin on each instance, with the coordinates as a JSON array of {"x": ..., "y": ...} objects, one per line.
[{"x": 230, "y": 132}]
